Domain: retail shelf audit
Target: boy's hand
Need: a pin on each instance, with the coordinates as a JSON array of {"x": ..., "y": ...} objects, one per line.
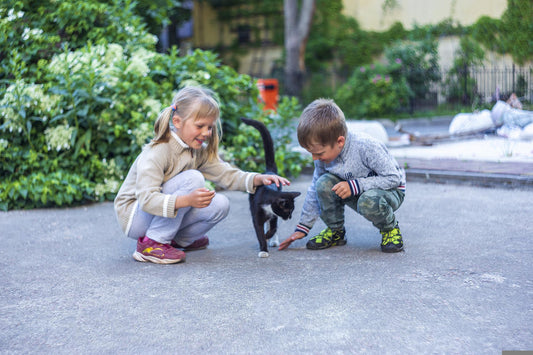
[
  {"x": 342, "y": 189},
  {"x": 267, "y": 179},
  {"x": 296, "y": 235}
]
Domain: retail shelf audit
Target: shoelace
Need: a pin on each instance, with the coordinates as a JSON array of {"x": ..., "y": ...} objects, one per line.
[
  {"x": 325, "y": 234},
  {"x": 391, "y": 236}
]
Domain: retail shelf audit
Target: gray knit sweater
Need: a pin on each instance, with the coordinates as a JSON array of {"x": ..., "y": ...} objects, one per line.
[
  {"x": 365, "y": 163},
  {"x": 159, "y": 163}
]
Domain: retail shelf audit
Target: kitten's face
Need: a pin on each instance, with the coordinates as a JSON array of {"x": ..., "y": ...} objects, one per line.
[{"x": 284, "y": 206}]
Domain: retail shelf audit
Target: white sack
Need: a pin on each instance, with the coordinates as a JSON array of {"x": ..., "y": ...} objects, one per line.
[{"x": 464, "y": 123}]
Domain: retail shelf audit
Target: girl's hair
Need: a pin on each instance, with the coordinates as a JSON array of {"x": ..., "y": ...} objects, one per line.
[
  {"x": 322, "y": 122},
  {"x": 191, "y": 102}
]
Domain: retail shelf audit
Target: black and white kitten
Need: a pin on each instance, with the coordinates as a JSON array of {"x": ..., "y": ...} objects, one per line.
[{"x": 269, "y": 201}]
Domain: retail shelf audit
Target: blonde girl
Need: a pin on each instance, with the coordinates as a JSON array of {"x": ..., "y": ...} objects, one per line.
[{"x": 163, "y": 202}]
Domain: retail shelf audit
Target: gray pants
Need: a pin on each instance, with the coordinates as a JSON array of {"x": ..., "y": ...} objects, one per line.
[
  {"x": 190, "y": 223},
  {"x": 376, "y": 205}
]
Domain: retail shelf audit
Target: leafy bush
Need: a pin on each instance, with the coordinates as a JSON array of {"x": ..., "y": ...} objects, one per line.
[
  {"x": 509, "y": 35},
  {"x": 90, "y": 121},
  {"x": 73, "y": 120},
  {"x": 32, "y": 32},
  {"x": 459, "y": 84},
  {"x": 338, "y": 40},
  {"x": 419, "y": 65},
  {"x": 249, "y": 144},
  {"x": 374, "y": 90}
]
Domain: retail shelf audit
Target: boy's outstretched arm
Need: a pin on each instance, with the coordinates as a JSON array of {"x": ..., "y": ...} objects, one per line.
[{"x": 292, "y": 238}]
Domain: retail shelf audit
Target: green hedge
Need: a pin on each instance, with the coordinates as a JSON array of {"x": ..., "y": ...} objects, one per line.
[{"x": 73, "y": 118}]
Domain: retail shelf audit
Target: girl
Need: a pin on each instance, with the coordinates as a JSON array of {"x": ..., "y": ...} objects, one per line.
[{"x": 163, "y": 202}]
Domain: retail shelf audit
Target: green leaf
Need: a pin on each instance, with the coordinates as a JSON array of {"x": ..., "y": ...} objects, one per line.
[{"x": 23, "y": 192}]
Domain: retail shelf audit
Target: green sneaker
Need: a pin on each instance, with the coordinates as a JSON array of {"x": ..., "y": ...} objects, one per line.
[
  {"x": 391, "y": 241},
  {"x": 327, "y": 238}
]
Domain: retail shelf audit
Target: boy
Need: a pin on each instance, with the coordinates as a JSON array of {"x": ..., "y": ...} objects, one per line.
[{"x": 351, "y": 169}]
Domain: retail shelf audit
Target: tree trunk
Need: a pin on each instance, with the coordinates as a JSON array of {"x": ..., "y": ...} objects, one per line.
[{"x": 297, "y": 27}]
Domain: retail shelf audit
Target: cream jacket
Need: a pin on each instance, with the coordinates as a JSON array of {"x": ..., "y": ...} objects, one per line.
[{"x": 156, "y": 165}]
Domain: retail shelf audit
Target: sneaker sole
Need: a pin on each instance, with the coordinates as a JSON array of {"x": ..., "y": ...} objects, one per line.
[
  {"x": 152, "y": 259},
  {"x": 392, "y": 250},
  {"x": 194, "y": 249},
  {"x": 337, "y": 243}
]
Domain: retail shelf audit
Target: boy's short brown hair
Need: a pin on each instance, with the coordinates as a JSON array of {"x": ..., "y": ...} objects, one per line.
[{"x": 322, "y": 122}]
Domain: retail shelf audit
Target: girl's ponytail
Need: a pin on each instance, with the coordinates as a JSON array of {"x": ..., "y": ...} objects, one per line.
[{"x": 162, "y": 126}]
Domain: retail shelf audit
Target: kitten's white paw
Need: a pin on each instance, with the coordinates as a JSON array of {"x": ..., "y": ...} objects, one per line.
[
  {"x": 274, "y": 241},
  {"x": 263, "y": 254}
]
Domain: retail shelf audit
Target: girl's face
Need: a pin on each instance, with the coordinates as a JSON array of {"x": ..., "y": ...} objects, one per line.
[{"x": 194, "y": 132}]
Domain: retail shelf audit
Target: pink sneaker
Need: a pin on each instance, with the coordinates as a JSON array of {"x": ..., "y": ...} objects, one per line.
[
  {"x": 198, "y": 244},
  {"x": 152, "y": 251}
]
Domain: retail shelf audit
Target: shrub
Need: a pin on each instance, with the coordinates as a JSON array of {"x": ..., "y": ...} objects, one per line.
[
  {"x": 246, "y": 149},
  {"x": 87, "y": 125},
  {"x": 80, "y": 88},
  {"x": 373, "y": 91},
  {"x": 459, "y": 84},
  {"x": 419, "y": 65}
]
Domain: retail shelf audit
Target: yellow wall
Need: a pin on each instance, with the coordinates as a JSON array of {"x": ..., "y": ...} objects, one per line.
[
  {"x": 208, "y": 32},
  {"x": 371, "y": 17}
]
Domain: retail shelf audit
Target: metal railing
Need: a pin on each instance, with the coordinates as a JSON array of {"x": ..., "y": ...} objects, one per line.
[{"x": 468, "y": 86}]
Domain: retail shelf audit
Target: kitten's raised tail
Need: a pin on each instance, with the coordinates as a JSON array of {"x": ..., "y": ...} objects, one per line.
[{"x": 268, "y": 143}]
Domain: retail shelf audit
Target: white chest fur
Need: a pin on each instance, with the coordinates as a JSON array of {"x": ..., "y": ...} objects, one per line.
[{"x": 268, "y": 210}]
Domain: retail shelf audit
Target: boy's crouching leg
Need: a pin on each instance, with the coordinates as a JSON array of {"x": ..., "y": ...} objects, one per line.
[
  {"x": 331, "y": 205},
  {"x": 378, "y": 206},
  {"x": 331, "y": 212}
]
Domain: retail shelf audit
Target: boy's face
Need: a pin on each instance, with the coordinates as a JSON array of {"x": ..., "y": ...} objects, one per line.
[{"x": 327, "y": 153}]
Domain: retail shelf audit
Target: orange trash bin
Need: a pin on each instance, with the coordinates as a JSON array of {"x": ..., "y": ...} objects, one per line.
[{"x": 269, "y": 93}]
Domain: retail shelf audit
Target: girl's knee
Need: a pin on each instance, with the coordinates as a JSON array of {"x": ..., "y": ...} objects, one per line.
[
  {"x": 220, "y": 204},
  {"x": 192, "y": 178},
  {"x": 186, "y": 181}
]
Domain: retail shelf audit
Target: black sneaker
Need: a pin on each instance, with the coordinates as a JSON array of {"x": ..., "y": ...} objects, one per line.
[
  {"x": 391, "y": 241},
  {"x": 327, "y": 238}
]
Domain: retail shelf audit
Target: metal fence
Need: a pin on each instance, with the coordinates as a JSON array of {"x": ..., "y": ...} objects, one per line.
[
  {"x": 468, "y": 86},
  {"x": 502, "y": 82}
]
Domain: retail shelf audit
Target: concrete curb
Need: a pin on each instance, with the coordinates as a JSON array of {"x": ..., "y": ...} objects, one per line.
[{"x": 470, "y": 178}]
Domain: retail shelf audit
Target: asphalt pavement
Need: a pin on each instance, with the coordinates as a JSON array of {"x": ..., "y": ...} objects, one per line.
[{"x": 463, "y": 284}]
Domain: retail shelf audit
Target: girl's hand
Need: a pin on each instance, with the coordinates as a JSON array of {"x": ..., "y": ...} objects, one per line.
[
  {"x": 267, "y": 179},
  {"x": 285, "y": 244},
  {"x": 199, "y": 198}
]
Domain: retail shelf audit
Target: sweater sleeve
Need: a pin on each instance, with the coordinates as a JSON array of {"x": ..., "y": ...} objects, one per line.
[
  {"x": 150, "y": 176},
  {"x": 310, "y": 209},
  {"x": 227, "y": 176},
  {"x": 387, "y": 175}
]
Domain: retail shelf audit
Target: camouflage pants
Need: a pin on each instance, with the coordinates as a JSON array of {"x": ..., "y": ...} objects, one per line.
[{"x": 376, "y": 205}]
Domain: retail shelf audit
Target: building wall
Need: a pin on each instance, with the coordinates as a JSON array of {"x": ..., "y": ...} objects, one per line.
[
  {"x": 208, "y": 32},
  {"x": 371, "y": 16}
]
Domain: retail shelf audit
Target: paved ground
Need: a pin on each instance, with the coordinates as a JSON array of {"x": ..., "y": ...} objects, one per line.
[
  {"x": 463, "y": 285},
  {"x": 480, "y": 160}
]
